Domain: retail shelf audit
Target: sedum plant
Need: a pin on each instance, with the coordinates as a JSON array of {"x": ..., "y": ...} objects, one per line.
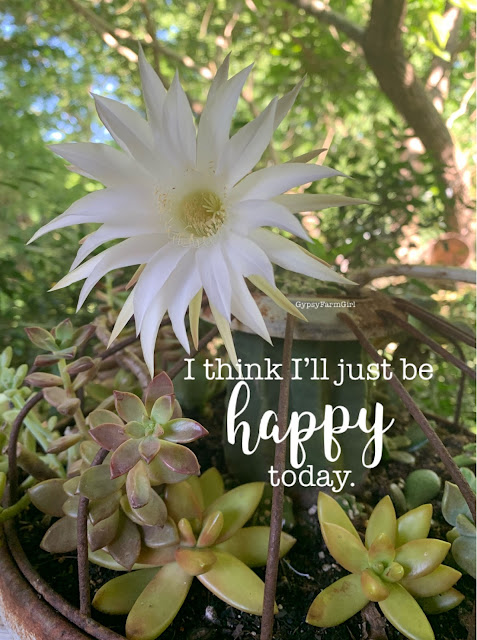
[
  {"x": 205, "y": 538},
  {"x": 462, "y": 537},
  {"x": 397, "y": 566}
]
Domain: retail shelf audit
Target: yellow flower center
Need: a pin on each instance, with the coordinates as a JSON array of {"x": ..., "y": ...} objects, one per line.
[{"x": 201, "y": 213}]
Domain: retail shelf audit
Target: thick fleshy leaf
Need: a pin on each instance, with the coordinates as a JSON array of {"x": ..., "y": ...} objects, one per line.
[
  {"x": 337, "y": 603},
  {"x": 463, "y": 550},
  {"x": 161, "y": 536},
  {"x": 382, "y": 550},
  {"x": 71, "y": 506},
  {"x": 329, "y": 510},
  {"x": 373, "y": 587},
  {"x": 42, "y": 380},
  {"x": 162, "y": 409},
  {"x": 135, "y": 429},
  {"x": 179, "y": 458},
  {"x": 405, "y": 614},
  {"x": 195, "y": 562},
  {"x": 64, "y": 443},
  {"x": 96, "y": 482},
  {"x": 234, "y": 583},
  {"x": 61, "y": 537},
  {"x": 442, "y": 602},
  {"x": 71, "y": 486},
  {"x": 138, "y": 486},
  {"x": 104, "y": 507},
  {"x": 211, "y": 485},
  {"x": 129, "y": 406},
  {"x": 183, "y": 430},
  {"x": 103, "y": 416},
  {"x": 347, "y": 550},
  {"x": 158, "y": 604},
  {"x": 453, "y": 504},
  {"x": 211, "y": 529},
  {"x": 49, "y": 497},
  {"x": 110, "y": 436},
  {"x": 41, "y": 338},
  {"x": 88, "y": 451},
  {"x": 118, "y": 596},
  {"x": 126, "y": 546},
  {"x": 149, "y": 448},
  {"x": 438, "y": 581},
  {"x": 237, "y": 506},
  {"x": 125, "y": 458},
  {"x": 152, "y": 514},
  {"x": 160, "y": 473},
  {"x": 101, "y": 534},
  {"x": 414, "y": 524},
  {"x": 250, "y": 545},
  {"x": 156, "y": 557},
  {"x": 80, "y": 365},
  {"x": 382, "y": 520},
  {"x": 160, "y": 385},
  {"x": 420, "y": 557},
  {"x": 59, "y": 399},
  {"x": 186, "y": 533}
]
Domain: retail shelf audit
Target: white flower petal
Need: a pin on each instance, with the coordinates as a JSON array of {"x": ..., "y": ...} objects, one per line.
[
  {"x": 286, "y": 103},
  {"x": 296, "y": 202},
  {"x": 104, "y": 163},
  {"x": 123, "y": 318},
  {"x": 215, "y": 277},
  {"x": 288, "y": 255},
  {"x": 178, "y": 126},
  {"x": 130, "y": 131},
  {"x": 149, "y": 330},
  {"x": 153, "y": 91},
  {"x": 220, "y": 77},
  {"x": 182, "y": 287},
  {"x": 129, "y": 252},
  {"x": 246, "y": 147},
  {"x": 265, "y": 213},
  {"x": 244, "y": 307},
  {"x": 215, "y": 120},
  {"x": 80, "y": 273},
  {"x": 225, "y": 333},
  {"x": 248, "y": 258},
  {"x": 160, "y": 266},
  {"x": 269, "y": 182}
]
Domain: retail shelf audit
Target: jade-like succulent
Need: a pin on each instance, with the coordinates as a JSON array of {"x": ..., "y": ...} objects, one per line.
[
  {"x": 457, "y": 513},
  {"x": 397, "y": 566},
  {"x": 147, "y": 439},
  {"x": 420, "y": 486},
  {"x": 61, "y": 343},
  {"x": 204, "y": 537},
  {"x": 468, "y": 457}
]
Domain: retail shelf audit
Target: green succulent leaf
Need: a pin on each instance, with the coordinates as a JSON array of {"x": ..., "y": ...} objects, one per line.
[
  {"x": 382, "y": 550},
  {"x": 71, "y": 506},
  {"x": 442, "y": 602},
  {"x": 64, "y": 442},
  {"x": 124, "y": 458},
  {"x": 373, "y": 587},
  {"x": 138, "y": 486},
  {"x": 61, "y": 537},
  {"x": 421, "y": 486},
  {"x": 453, "y": 504},
  {"x": 179, "y": 458},
  {"x": 382, "y": 520},
  {"x": 49, "y": 497},
  {"x": 118, "y": 596},
  {"x": 103, "y": 416},
  {"x": 160, "y": 473},
  {"x": 126, "y": 546},
  {"x": 438, "y": 581},
  {"x": 41, "y": 338},
  {"x": 337, "y": 603},
  {"x": 405, "y": 614},
  {"x": 88, "y": 451},
  {"x": 329, "y": 510},
  {"x": 211, "y": 485},
  {"x": 149, "y": 448},
  {"x": 103, "y": 507},
  {"x": 195, "y": 562},
  {"x": 183, "y": 430},
  {"x": 101, "y": 534},
  {"x": 158, "y": 604},
  {"x": 464, "y": 526},
  {"x": 161, "y": 536},
  {"x": 59, "y": 399},
  {"x": 109, "y": 435},
  {"x": 42, "y": 380},
  {"x": 211, "y": 529},
  {"x": 237, "y": 506},
  {"x": 463, "y": 550},
  {"x": 152, "y": 514},
  {"x": 348, "y": 551},
  {"x": 129, "y": 406},
  {"x": 414, "y": 524},
  {"x": 162, "y": 409},
  {"x": 250, "y": 545},
  {"x": 182, "y": 502},
  {"x": 234, "y": 583},
  {"x": 63, "y": 332},
  {"x": 96, "y": 482},
  {"x": 160, "y": 385},
  {"x": 420, "y": 557}
]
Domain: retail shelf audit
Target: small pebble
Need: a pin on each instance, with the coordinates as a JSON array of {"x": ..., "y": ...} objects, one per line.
[
  {"x": 321, "y": 555},
  {"x": 312, "y": 510},
  {"x": 211, "y": 615}
]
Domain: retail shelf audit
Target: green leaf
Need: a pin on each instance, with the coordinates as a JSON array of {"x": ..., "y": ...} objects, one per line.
[
  {"x": 211, "y": 528},
  {"x": 414, "y": 524},
  {"x": 463, "y": 550},
  {"x": 438, "y": 581},
  {"x": 61, "y": 537},
  {"x": 212, "y": 486},
  {"x": 382, "y": 520},
  {"x": 161, "y": 536},
  {"x": 329, "y": 510},
  {"x": 442, "y": 602},
  {"x": 118, "y": 596},
  {"x": 96, "y": 482},
  {"x": 349, "y": 552},
  {"x": 103, "y": 416},
  {"x": 179, "y": 458},
  {"x": 101, "y": 534},
  {"x": 138, "y": 486},
  {"x": 49, "y": 497},
  {"x": 126, "y": 546},
  {"x": 161, "y": 411},
  {"x": 195, "y": 562},
  {"x": 373, "y": 587},
  {"x": 453, "y": 504},
  {"x": 41, "y": 338},
  {"x": 183, "y": 430},
  {"x": 182, "y": 502},
  {"x": 405, "y": 614},
  {"x": 234, "y": 583},
  {"x": 129, "y": 407},
  {"x": 103, "y": 507},
  {"x": 440, "y": 28},
  {"x": 160, "y": 385},
  {"x": 250, "y": 545},
  {"x": 237, "y": 506},
  {"x": 153, "y": 513},
  {"x": 158, "y": 604},
  {"x": 337, "y": 603},
  {"x": 420, "y": 557}
]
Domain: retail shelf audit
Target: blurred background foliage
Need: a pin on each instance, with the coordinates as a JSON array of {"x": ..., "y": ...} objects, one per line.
[{"x": 53, "y": 53}]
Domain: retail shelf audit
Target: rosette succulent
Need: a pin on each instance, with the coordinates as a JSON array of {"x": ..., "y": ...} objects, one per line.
[
  {"x": 199, "y": 214},
  {"x": 205, "y": 538},
  {"x": 147, "y": 439},
  {"x": 397, "y": 566}
]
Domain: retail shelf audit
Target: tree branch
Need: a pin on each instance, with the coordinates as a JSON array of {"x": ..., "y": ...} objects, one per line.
[{"x": 319, "y": 10}]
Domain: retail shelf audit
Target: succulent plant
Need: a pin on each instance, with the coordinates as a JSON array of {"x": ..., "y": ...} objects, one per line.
[
  {"x": 147, "y": 439},
  {"x": 203, "y": 537},
  {"x": 61, "y": 343},
  {"x": 463, "y": 536},
  {"x": 468, "y": 457},
  {"x": 397, "y": 566},
  {"x": 419, "y": 487}
]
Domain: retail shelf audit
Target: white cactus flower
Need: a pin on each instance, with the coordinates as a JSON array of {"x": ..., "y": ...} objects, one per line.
[{"x": 189, "y": 211}]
